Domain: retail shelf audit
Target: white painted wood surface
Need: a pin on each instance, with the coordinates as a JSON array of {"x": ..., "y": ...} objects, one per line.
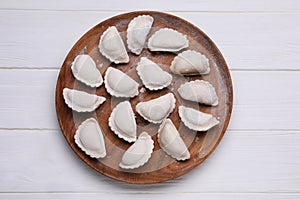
[
  {"x": 259, "y": 157},
  {"x": 264, "y": 41}
]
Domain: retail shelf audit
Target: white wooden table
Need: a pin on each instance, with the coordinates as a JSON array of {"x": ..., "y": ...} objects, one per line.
[{"x": 259, "y": 157}]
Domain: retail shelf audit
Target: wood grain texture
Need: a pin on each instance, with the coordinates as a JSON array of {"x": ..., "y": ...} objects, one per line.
[
  {"x": 176, "y": 5},
  {"x": 160, "y": 167},
  {"x": 254, "y": 35},
  {"x": 43, "y": 162},
  {"x": 246, "y": 40}
]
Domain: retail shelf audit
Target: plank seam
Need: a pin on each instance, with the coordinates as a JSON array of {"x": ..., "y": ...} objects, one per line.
[
  {"x": 75, "y": 192},
  {"x": 235, "y": 69},
  {"x": 173, "y": 11},
  {"x": 231, "y": 130}
]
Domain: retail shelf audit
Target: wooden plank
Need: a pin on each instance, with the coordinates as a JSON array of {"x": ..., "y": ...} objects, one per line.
[
  {"x": 262, "y": 100},
  {"x": 42, "y": 39},
  {"x": 266, "y": 100},
  {"x": 41, "y": 161},
  {"x": 176, "y": 5},
  {"x": 27, "y": 99},
  {"x": 147, "y": 196}
]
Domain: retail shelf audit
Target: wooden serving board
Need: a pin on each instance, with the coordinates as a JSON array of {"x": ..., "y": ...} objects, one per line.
[{"x": 160, "y": 167}]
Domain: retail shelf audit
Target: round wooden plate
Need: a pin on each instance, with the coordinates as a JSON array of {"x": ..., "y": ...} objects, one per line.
[{"x": 160, "y": 167}]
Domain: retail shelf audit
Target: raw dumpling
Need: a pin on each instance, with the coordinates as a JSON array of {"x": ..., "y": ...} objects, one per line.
[
  {"x": 122, "y": 122},
  {"x": 137, "y": 32},
  {"x": 190, "y": 63},
  {"x": 89, "y": 138},
  {"x": 199, "y": 91},
  {"x": 112, "y": 46},
  {"x": 119, "y": 84},
  {"x": 84, "y": 69},
  {"x": 156, "y": 110},
  {"x": 197, "y": 120},
  {"x": 81, "y": 101},
  {"x": 167, "y": 39},
  {"x": 139, "y": 153},
  {"x": 152, "y": 76},
  {"x": 170, "y": 141}
]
